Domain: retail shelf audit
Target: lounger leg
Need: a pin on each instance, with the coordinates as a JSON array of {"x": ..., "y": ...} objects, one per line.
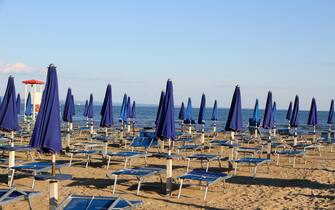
[
  {"x": 207, "y": 166},
  {"x": 206, "y": 190},
  {"x": 11, "y": 177},
  {"x": 294, "y": 161},
  {"x": 277, "y": 159},
  {"x": 180, "y": 187},
  {"x": 87, "y": 160},
  {"x": 188, "y": 164},
  {"x": 114, "y": 186},
  {"x": 255, "y": 171},
  {"x": 71, "y": 156},
  {"x": 108, "y": 162},
  {"x": 139, "y": 186},
  {"x": 30, "y": 203},
  {"x": 125, "y": 163},
  {"x": 235, "y": 169}
]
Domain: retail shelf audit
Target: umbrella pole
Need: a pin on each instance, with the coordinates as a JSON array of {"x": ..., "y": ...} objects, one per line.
[
  {"x": 274, "y": 130},
  {"x": 11, "y": 160},
  {"x": 329, "y": 132},
  {"x": 86, "y": 121},
  {"x": 91, "y": 128},
  {"x": 122, "y": 127},
  {"x": 314, "y": 134},
  {"x": 202, "y": 133},
  {"x": 295, "y": 142},
  {"x": 232, "y": 136},
  {"x": 53, "y": 185},
  {"x": 256, "y": 128},
  {"x": 269, "y": 145},
  {"x": 289, "y": 124},
  {"x": 169, "y": 170},
  {"x": 214, "y": 127},
  {"x": 128, "y": 126},
  {"x": 190, "y": 129},
  {"x": 68, "y": 135}
]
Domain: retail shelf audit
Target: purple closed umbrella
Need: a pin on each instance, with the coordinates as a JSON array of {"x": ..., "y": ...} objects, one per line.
[
  {"x": 8, "y": 111},
  {"x": 267, "y": 120},
  {"x": 107, "y": 109},
  {"x": 313, "y": 115},
  {"x": 68, "y": 112},
  {"x": 181, "y": 115},
  {"x": 73, "y": 105},
  {"x": 18, "y": 104},
  {"x": 128, "y": 109},
  {"x": 166, "y": 129},
  {"x": 294, "y": 122},
  {"x": 133, "y": 111},
  {"x": 90, "y": 112},
  {"x": 289, "y": 112},
  {"x": 159, "y": 110},
  {"x": 202, "y": 110},
  {"x": 234, "y": 120},
  {"x": 331, "y": 113},
  {"x": 85, "y": 109},
  {"x": 215, "y": 111}
]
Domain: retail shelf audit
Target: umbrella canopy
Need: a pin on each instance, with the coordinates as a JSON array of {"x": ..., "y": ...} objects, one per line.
[
  {"x": 289, "y": 112},
  {"x": 165, "y": 128},
  {"x": 331, "y": 113},
  {"x": 313, "y": 114},
  {"x": 215, "y": 111},
  {"x": 73, "y": 106},
  {"x": 234, "y": 120},
  {"x": 107, "y": 109},
  {"x": 133, "y": 110},
  {"x": 189, "y": 113},
  {"x": 8, "y": 113},
  {"x": 68, "y": 112},
  {"x": 123, "y": 112},
  {"x": 294, "y": 122},
  {"x": 29, "y": 107},
  {"x": 85, "y": 109},
  {"x": 18, "y": 104},
  {"x": 181, "y": 115},
  {"x": 90, "y": 113},
  {"x": 267, "y": 120},
  {"x": 256, "y": 116},
  {"x": 128, "y": 108},
  {"x": 274, "y": 112},
  {"x": 159, "y": 110},
  {"x": 46, "y": 136},
  {"x": 202, "y": 110}
]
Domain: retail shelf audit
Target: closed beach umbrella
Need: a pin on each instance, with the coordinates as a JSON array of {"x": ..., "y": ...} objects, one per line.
[
  {"x": 68, "y": 112},
  {"x": 18, "y": 104},
  {"x": 201, "y": 115},
  {"x": 256, "y": 116},
  {"x": 331, "y": 113},
  {"x": 166, "y": 130},
  {"x": 73, "y": 105},
  {"x": 313, "y": 115},
  {"x": 29, "y": 107},
  {"x": 215, "y": 112},
  {"x": 123, "y": 112},
  {"x": 267, "y": 121},
  {"x": 90, "y": 112},
  {"x": 274, "y": 113},
  {"x": 85, "y": 109},
  {"x": 189, "y": 113},
  {"x": 159, "y": 110},
  {"x": 46, "y": 136},
  {"x": 107, "y": 109},
  {"x": 181, "y": 115},
  {"x": 294, "y": 122},
  {"x": 289, "y": 112},
  {"x": 234, "y": 120},
  {"x": 133, "y": 111},
  {"x": 128, "y": 109}
]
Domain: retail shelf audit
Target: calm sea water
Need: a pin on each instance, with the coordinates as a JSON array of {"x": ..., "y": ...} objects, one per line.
[{"x": 145, "y": 116}]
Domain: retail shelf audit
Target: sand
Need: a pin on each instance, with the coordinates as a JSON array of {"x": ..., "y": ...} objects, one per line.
[{"x": 310, "y": 186}]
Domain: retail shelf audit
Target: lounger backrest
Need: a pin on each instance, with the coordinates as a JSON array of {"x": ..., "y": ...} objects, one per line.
[{"x": 141, "y": 142}]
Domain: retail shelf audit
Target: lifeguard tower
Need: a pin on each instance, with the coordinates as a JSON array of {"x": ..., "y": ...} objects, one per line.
[{"x": 35, "y": 87}]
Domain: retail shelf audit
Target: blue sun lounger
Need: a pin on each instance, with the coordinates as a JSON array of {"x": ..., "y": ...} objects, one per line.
[
  {"x": 202, "y": 157},
  {"x": 78, "y": 202},
  {"x": 209, "y": 178},
  {"x": 86, "y": 153},
  {"x": 12, "y": 195},
  {"x": 34, "y": 168},
  {"x": 255, "y": 162},
  {"x": 190, "y": 147},
  {"x": 291, "y": 153},
  {"x": 139, "y": 173}
]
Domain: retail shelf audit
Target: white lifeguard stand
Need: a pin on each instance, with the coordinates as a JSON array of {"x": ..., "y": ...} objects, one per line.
[{"x": 35, "y": 87}]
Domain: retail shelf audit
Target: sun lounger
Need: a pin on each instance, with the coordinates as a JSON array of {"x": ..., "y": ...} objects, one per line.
[
  {"x": 79, "y": 202},
  {"x": 139, "y": 173},
  {"x": 189, "y": 147},
  {"x": 87, "y": 153},
  {"x": 209, "y": 178},
  {"x": 202, "y": 157},
  {"x": 307, "y": 147},
  {"x": 12, "y": 195},
  {"x": 253, "y": 151},
  {"x": 34, "y": 168},
  {"x": 291, "y": 153},
  {"x": 255, "y": 162}
]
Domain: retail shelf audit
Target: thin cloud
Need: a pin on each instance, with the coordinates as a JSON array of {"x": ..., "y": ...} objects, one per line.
[{"x": 16, "y": 68}]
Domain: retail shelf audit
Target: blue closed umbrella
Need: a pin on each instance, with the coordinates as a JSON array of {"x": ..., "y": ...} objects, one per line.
[
  {"x": 29, "y": 106},
  {"x": 46, "y": 136},
  {"x": 8, "y": 113},
  {"x": 107, "y": 109},
  {"x": 159, "y": 110},
  {"x": 313, "y": 114},
  {"x": 85, "y": 109},
  {"x": 215, "y": 112},
  {"x": 90, "y": 113},
  {"x": 294, "y": 122},
  {"x": 267, "y": 120},
  {"x": 331, "y": 113},
  {"x": 256, "y": 115},
  {"x": 189, "y": 113},
  {"x": 166, "y": 129},
  {"x": 181, "y": 115},
  {"x": 133, "y": 111},
  {"x": 274, "y": 113},
  {"x": 202, "y": 110},
  {"x": 18, "y": 104},
  {"x": 234, "y": 120},
  {"x": 73, "y": 105},
  {"x": 289, "y": 112},
  {"x": 128, "y": 109},
  {"x": 68, "y": 112},
  {"x": 123, "y": 112}
]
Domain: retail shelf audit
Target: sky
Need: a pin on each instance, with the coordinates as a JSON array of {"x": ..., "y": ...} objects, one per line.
[{"x": 285, "y": 46}]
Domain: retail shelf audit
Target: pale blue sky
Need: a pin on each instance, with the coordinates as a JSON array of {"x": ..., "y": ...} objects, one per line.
[{"x": 287, "y": 47}]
